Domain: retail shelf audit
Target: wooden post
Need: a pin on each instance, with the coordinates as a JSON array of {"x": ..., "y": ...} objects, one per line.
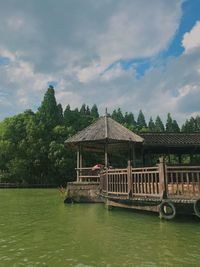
[
  {"x": 81, "y": 161},
  {"x": 129, "y": 178},
  {"x": 106, "y": 155},
  {"x": 106, "y": 182},
  {"x": 77, "y": 164},
  {"x": 162, "y": 184},
  {"x": 106, "y": 137}
]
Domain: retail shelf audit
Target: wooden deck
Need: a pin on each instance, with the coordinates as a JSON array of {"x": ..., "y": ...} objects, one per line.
[
  {"x": 167, "y": 190},
  {"x": 159, "y": 188},
  {"x": 159, "y": 182}
]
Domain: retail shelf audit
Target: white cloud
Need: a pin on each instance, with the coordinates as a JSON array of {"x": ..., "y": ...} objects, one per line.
[
  {"x": 75, "y": 48},
  {"x": 191, "y": 39}
]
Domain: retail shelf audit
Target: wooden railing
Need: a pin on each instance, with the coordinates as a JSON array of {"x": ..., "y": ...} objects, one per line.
[
  {"x": 159, "y": 181},
  {"x": 183, "y": 181},
  {"x": 145, "y": 181},
  {"x": 117, "y": 181},
  {"x": 87, "y": 174}
]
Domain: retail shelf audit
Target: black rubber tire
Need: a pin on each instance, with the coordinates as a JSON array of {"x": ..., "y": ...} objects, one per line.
[
  {"x": 197, "y": 207},
  {"x": 163, "y": 213}
]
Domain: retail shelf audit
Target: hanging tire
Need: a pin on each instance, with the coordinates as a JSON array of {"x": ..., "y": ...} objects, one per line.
[
  {"x": 167, "y": 210},
  {"x": 197, "y": 207}
]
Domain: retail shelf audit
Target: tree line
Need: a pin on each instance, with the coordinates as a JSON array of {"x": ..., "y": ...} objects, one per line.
[{"x": 32, "y": 147}]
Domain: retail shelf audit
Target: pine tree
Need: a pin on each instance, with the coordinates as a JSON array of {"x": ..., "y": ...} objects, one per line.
[
  {"x": 49, "y": 112},
  {"x": 175, "y": 126},
  {"x": 169, "y": 123},
  {"x": 94, "y": 112},
  {"x": 151, "y": 125},
  {"x": 197, "y": 123},
  {"x": 141, "y": 123},
  {"x": 129, "y": 119},
  {"x": 118, "y": 116},
  {"x": 159, "y": 126},
  {"x": 83, "y": 109},
  {"x": 87, "y": 112},
  {"x": 60, "y": 114}
]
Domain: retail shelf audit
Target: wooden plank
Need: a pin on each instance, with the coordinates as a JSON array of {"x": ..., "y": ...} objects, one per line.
[
  {"x": 193, "y": 184},
  {"x": 176, "y": 178},
  {"x": 182, "y": 183}
]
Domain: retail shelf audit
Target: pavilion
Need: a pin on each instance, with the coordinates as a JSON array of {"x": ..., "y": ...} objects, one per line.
[{"x": 143, "y": 185}]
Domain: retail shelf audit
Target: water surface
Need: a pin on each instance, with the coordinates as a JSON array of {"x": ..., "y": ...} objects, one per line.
[{"x": 37, "y": 229}]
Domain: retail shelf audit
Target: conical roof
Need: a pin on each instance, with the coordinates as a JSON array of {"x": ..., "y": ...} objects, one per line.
[{"x": 104, "y": 129}]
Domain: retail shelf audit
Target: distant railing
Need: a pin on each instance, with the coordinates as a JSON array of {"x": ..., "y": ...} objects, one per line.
[
  {"x": 183, "y": 181},
  {"x": 88, "y": 174}
]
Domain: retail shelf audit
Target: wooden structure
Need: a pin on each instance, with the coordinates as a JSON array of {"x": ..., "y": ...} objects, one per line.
[
  {"x": 166, "y": 189},
  {"x": 103, "y": 136}
]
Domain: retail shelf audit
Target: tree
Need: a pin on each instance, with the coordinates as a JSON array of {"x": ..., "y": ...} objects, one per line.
[
  {"x": 141, "y": 123},
  {"x": 169, "y": 123},
  {"x": 83, "y": 109},
  {"x": 49, "y": 113},
  {"x": 118, "y": 116},
  {"x": 94, "y": 112},
  {"x": 175, "y": 126},
  {"x": 159, "y": 126},
  {"x": 129, "y": 119},
  {"x": 151, "y": 125}
]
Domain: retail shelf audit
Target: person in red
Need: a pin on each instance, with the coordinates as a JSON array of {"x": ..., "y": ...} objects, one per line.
[{"x": 98, "y": 166}]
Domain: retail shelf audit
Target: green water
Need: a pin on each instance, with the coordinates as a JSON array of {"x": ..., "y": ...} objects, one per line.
[{"x": 37, "y": 229}]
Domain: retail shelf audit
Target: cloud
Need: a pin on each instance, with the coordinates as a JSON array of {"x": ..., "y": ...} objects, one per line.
[
  {"x": 191, "y": 39},
  {"x": 80, "y": 45}
]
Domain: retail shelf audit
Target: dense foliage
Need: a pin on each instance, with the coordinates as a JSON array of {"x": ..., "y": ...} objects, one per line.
[{"x": 32, "y": 147}]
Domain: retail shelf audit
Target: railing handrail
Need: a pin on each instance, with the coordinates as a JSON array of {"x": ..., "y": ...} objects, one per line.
[
  {"x": 145, "y": 168},
  {"x": 84, "y": 168},
  {"x": 182, "y": 167}
]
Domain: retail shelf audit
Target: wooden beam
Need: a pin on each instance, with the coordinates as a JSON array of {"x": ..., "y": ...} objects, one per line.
[
  {"x": 106, "y": 155},
  {"x": 134, "y": 157}
]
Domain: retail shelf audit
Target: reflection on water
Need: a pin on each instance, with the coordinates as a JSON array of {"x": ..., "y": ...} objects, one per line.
[{"x": 37, "y": 229}]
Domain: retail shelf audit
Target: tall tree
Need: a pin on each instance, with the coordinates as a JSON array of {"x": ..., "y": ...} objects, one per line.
[
  {"x": 83, "y": 109},
  {"x": 175, "y": 126},
  {"x": 159, "y": 126},
  {"x": 118, "y": 116},
  {"x": 49, "y": 113},
  {"x": 141, "y": 122},
  {"x": 169, "y": 123},
  {"x": 94, "y": 112},
  {"x": 151, "y": 125}
]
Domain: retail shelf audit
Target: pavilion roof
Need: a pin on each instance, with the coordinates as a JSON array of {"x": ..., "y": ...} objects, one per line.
[{"x": 105, "y": 128}]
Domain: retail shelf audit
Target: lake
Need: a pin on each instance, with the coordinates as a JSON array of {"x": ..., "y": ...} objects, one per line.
[{"x": 37, "y": 229}]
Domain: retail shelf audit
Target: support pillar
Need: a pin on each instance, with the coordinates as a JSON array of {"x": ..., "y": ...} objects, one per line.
[
  {"x": 77, "y": 164},
  {"x": 129, "y": 178},
  {"x": 81, "y": 161},
  {"x": 162, "y": 183},
  {"x": 106, "y": 155}
]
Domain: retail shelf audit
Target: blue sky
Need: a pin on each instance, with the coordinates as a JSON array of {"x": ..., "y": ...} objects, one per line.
[{"x": 117, "y": 53}]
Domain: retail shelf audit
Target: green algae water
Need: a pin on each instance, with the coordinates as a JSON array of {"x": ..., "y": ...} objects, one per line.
[{"x": 37, "y": 229}]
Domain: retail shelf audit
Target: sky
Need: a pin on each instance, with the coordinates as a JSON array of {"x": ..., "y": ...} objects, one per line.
[{"x": 132, "y": 54}]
